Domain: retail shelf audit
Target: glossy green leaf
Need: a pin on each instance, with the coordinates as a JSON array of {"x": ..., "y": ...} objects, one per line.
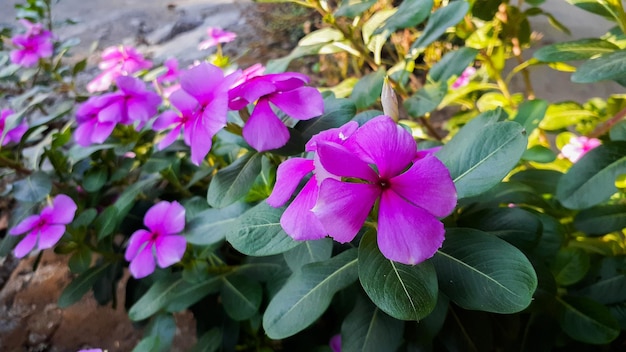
[
  {"x": 33, "y": 188},
  {"x": 409, "y": 14},
  {"x": 337, "y": 112},
  {"x": 582, "y": 49},
  {"x": 606, "y": 67},
  {"x": 367, "y": 328},
  {"x": 426, "y": 99},
  {"x": 211, "y": 226},
  {"x": 482, "y": 153},
  {"x": 601, "y": 219},
  {"x": 309, "y": 252},
  {"x": 210, "y": 341},
  {"x": 618, "y": 132},
  {"x": 354, "y": 8},
  {"x": 281, "y": 65},
  {"x": 368, "y": 89},
  {"x": 542, "y": 181},
  {"x": 607, "y": 290},
  {"x": 405, "y": 292},
  {"x": 241, "y": 296},
  {"x": 94, "y": 179},
  {"x": 593, "y": 6},
  {"x": 233, "y": 182},
  {"x": 587, "y": 321},
  {"x": 148, "y": 344},
  {"x": 257, "y": 232},
  {"x": 479, "y": 271},
  {"x": 530, "y": 113},
  {"x": 172, "y": 294},
  {"x": 563, "y": 115},
  {"x": 307, "y": 294},
  {"x": 591, "y": 180},
  {"x": 163, "y": 327},
  {"x": 322, "y": 35},
  {"x": 452, "y": 64},
  {"x": 80, "y": 261},
  {"x": 439, "y": 22},
  {"x": 81, "y": 285},
  {"x": 106, "y": 222},
  {"x": 570, "y": 265},
  {"x": 539, "y": 154}
]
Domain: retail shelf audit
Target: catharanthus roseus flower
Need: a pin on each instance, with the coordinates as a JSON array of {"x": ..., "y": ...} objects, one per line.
[
  {"x": 264, "y": 130},
  {"x": 216, "y": 35},
  {"x": 165, "y": 221},
  {"x": 117, "y": 61},
  {"x": 45, "y": 229},
  {"x": 464, "y": 78},
  {"x": 91, "y": 128},
  {"x": 335, "y": 343},
  {"x": 298, "y": 220},
  {"x": 15, "y": 134},
  {"x": 202, "y": 103},
  {"x": 33, "y": 45},
  {"x": 579, "y": 146},
  {"x": 172, "y": 72},
  {"x": 132, "y": 103}
]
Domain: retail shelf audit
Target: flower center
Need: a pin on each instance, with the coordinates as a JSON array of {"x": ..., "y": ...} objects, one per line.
[{"x": 384, "y": 184}]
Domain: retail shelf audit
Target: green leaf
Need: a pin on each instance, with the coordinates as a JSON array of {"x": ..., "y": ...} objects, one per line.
[
  {"x": 33, "y": 188},
  {"x": 563, "y": 115},
  {"x": 367, "y": 328},
  {"x": 530, "y": 113},
  {"x": 234, "y": 181},
  {"x": 94, "y": 179},
  {"x": 479, "y": 271},
  {"x": 607, "y": 67},
  {"x": 609, "y": 289},
  {"x": 257, "y": 232},
  {"x": 539, "y": 154},
  {"x": 439, "y": 22},
  {"x": 409, "y": 14},
  {"x": 80, "y": 260},
  {"x": 241, "y": 296},
  {"x": 172, "y": 294},
  {"x": 368, "y": 89},
  {"x": 586, "y": 321},
  {"x": 163, "y": 327},
  {"x": 210, "y": 341},
  {"x": 601, "y": 219},
  {"x": 593, "y": 6},
  {"x": 618, "y": 132},
  {"x": 591, "y": 180},
  {"x": 281, "y": 65},
  {"x": 307, "y": 294},
  {"x": 309, "y": 252},
  {"x": 81, "y": 285},
  {"x": 543, "y": 181},
  {"x": 337, "y": 112},
  {"x": 570, "y": 265},
  {"x": 452, "y": 64},
  {"x": 354, "y": 8},
  {"x": 404, "y": 292},
  {"x": 582, "y": 49},
  {"x": 483, "y": 152},
  {"x": 323, "y": 35},
  {"x": 148, "y": 344},
  {"x": 426, "y": 99},
  {"x": 106, "y": 222},
  {"x": 211, "y": 226}
]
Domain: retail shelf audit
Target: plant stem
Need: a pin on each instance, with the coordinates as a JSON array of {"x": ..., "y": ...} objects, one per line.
[
  {"x": 607, "y": 125},
  {"x": 14, "y": 165},
  {"x": 517, "y": 51}
]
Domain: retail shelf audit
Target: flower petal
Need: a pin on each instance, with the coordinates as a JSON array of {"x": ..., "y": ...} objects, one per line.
[
  {"x": 184, "y": 102},
  {"x": 339, "y": 161},
  {"x": 170, "y": 250},
  {"x": 406, "y": 233},
  {"x": 288, "y": 177},
  {"x": 26, "y": 245},
  {"x": 343, "y": 207},
  {"x": 101, "y": 131},
  {"x": 201, "y": 141},
  {"x": 143, "y": 264},
  {"x": 380, "y": 141},
  {"x": 166, "y": 120},
  {"x": 169, "y": 138},
  {"x": 49, "y": 236},
  {"x": 62, "y": 210},
  {"x": 25, "y": 225},
  {"x": 200, "y": 81},
  {"x": 135, "y": 243},
  {"x": 298, "y": 220},
  {"x": 301, "y": 104},
  {"x": 165, "y": 218},
  {"x": 428, "y": 185},
  {"x": 264, "y": 130}
]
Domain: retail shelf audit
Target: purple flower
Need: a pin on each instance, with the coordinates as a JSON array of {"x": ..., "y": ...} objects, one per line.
[
  {"x": 202, "y": 103},
  {"x": 264, "y": 130},
  {"x": 579, "y": 146},
  {"x": 165, "y": 221},
  {"x": 172, "y": 73},
  {"x": 45, "y": 229},
  {"x": 33, "y": 45},
  {"x": 132, "y": 103},
  {"x": 117, "y": 61},
  {"x": 91, "y": 128},
  {"x": 216, "y": 35},
  {"x": 464, "y": 78},
  {"x": 91, "y": 350},
  {"x": 298, "y": 220},
  {"x": 335, "y": 343},
  {"x": 16, "y": 133},
  {"x": 380, "y": 163}
]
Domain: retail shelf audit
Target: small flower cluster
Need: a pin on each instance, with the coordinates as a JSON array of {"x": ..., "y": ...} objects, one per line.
[
  {"x": 356, "y": 169},
  {"x": 117, "y": 61},
  {"x": 34, "y": 44},
  {"x": 579, "y": 146}
]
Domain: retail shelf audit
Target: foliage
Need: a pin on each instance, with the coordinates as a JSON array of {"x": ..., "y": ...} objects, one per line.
[{"x": 534, "y": 249}]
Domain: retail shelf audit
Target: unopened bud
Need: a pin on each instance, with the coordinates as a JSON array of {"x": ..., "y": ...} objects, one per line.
[{"x": 389, "y": 101}]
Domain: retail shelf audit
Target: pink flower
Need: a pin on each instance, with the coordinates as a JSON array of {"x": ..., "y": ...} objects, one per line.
[
  {"x": 91, "y": 128},
  {"x": 132, "y": 103},
  {"x": 579, "y": 146},
  {"x": 203, "y": 105},
  {"x": 264, "y": 130},
  {"x": 16, "y": 133},
  {"x": 216, "y": 35},
  {"x": 33, "y": 45},
  {"x": 91, "y": 350},
  {"x": 379, "y": 163},
  {"x": 298, "y": 220},
  {"x": 172, "y": 73},
  {"x": 117, "y": 61},
  {"x": 165, "y": 221},
  {"x": 464, "y": 78},
  {"x": 335, "y": 343},
  {"x": 45, "y": 229}
]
